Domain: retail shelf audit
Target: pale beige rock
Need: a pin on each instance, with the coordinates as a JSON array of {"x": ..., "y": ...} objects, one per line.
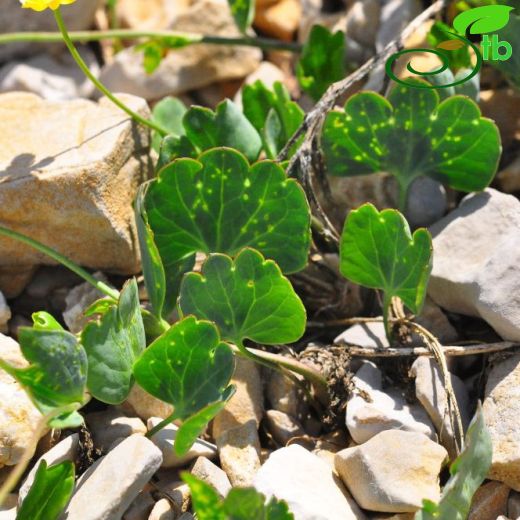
[
  {"x": 210, "y": 473},
  {"x": 116, "y": 481},
  {"x": 268, "y": 73},
  {"x": 141, "y": 507},
  {"x": 476, "y": 258},
  {"x": 144, "y": 405},
  {"x": 192, "y": 67},
  {"x": 176, "y": 491},
  {"x": 164, "y": 439},
  {"x": 9, "y": 507},
  {"x": 74, "y": 189},
  {"x": 489, "y": 502},
  {"x": 362, "y": 21},
  {"x": 108, "y": 426},
  {"x": 501, "y": 411},
  {"x": 392, "y": 472},
  {"x": 282, "y": 426},
  {"x": 162, "y": 510},
  {"x": 19, "y": 418},
  {"x": 64, "y": 450},
  {"x": 282, "y": 394},
  {"x": 280, "y": 20},
  {"x": 5, "y": 314},
  {"x": 307, "y": 484},
  {"x": 149, "y": 15}
]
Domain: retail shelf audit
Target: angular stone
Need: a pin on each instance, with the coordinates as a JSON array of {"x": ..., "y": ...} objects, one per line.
[
  {"x": 176, "y": 491},
  {"x": 192, "y": 67},
  {"x": 429, "y": 389},
  {"x": 116, "y": 480},
  {"x": 392, "y": 472},
  {"x": 489, "y": 502},
  {"x": 141, "y": 507},
  {"x": 282, "y": 426},
  {"x": 165, "y": 440},
  {"x": 110, "y": 425},
  {"x": 64, "y": 450},
  {"x": 282, "y": 394},
  {"x": 19, "y": 418},
  {"x": 162, "y": 510},
  {"x": 386, "y": 410},
  {"x": 210, "y": 473},
  {"x": 476, "y": 259},
  {"x": 363, "y": 22},
  {"x": 501, "y": 411},
  {"x": 280, "y": 20},
  {"x": 73, "y": 190},
  {"x": 144, "y": 405},
  {"x": 152, "y": 15},
  {"x": 307, "y": 484}
]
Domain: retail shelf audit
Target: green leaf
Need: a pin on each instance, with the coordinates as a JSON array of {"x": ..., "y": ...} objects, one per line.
[
  {"x": 57, "y": 372},
  {"x": 44, "y": 321},
  {"x": 243, "y": 12},
  {"x": 322, "y": 61},
  {"x": 511, "y": 67},
  {"x": 411, "y": 135},
  {"x": 168, "y": 114},
  {"x": 112, "y": 345},
  {"x": 467, "y": 474},
  {"x": 248, "y": 298},
  {"x": 49, "y": 493},
  {"x": 188, "y": 367},
  {"x": 378, "y": 251},
  {"x": 483, "y": 19},
  {"x": 227, "y": 126},
  {"x": 239, "y": 504},
  {"x": 221, "y": 204},
  {"x": 156, "y": 49},
  {"x": 273, "y": 114},
  {"x": 191, "y": 428},
  {"x": 173, "y": 147},
  {"x": 458, "y": 58}
]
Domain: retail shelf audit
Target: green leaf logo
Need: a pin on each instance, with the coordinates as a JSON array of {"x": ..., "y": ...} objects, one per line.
[{"x": 482, "y": 20}]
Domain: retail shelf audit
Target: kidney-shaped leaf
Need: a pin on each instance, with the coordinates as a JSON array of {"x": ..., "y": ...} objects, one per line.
[
  {"x": 188, "y": 367},
  {"x": 412, "y": 135},
  {"x": 220, "y": 204},
  {"x": 57, "y": 372},
  {"x": 248, "y": 298},
  {"x": 377, "y": 250},
  {"x": 113, "y": 344},
  {"x": 49, "y": 493}
]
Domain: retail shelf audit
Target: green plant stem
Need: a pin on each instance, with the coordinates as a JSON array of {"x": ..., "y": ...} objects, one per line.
[
  {"x": 84, "y": 68},
  {"x": 130, "y": 34},
  {"x": 387, "y": 302},
  {"x": 101, "y": 286},
  {"x": 161, "y": 425}
]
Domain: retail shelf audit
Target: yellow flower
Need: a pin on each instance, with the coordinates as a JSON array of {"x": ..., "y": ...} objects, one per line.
[{"x": 41, "y": 5}]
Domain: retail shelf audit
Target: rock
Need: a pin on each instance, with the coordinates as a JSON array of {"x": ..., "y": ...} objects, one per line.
[
  {"x": 392, "y": 472},
  {"x": 186, "y": 516},
  {"x": 427, "y": 202},
  {"x": 19, "y": 418},
  {"x": 501, "y": 409},
  {"x": 49, "y": 279},
  {"x": 388, "y": 409},
  {"x": 116, "y": 480},
  {"x": 268, "y": 73},
  {"x": 78, "y": 300},
  {"x": 239, "y": 452},
  {"x": 489, "y": 501},
  {"x": 108, "y": 426},
  {"x": 55, "y": 78},
  {"x": 279, "y": 20},
  {"x": 190, "y": 68},
  {"x": 14, "y": 279},
  {"x": 513, "y": 505},
  {"x": 282, "y": 426},
  {"x": 476, "y": 258},
  {"x": 141, "y": 507},
  {"x": 141, "y": 403},
  {"x": 205, "y": 470},
  {"x": 368, "y": 335},
  {"x": 177, "y": 492},
  {"x": 429, "y": 389},
  {"x": 395, "y": 16},
  {"x": 362, "y": 22},
  {"x": 162, "y": 510},
  {"x": 433, "y": 319},
  {"x": 64, "y": 450},
  {"x": 509, "y": 178},
  {"x": 282, "y": 394},
  {"x": 152, "y": 15},
  {"x": 78, "y": 183},
  {"x": 8, "y": 507},
  {"x": 165, "y": 439},
  {"x": 498, "y": 104},
  {"x": 77, "y": 17},
  {"x": 5, "y": 314},
  {"x": 235, "y": 429},
  {"x": 307, "y": 484}
]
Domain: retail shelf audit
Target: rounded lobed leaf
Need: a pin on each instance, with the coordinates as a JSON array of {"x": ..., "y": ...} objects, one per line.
[{"x": 248, "y": 298}]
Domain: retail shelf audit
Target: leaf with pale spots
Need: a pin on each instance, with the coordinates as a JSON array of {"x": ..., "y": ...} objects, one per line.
[
  {"x": 248, "y": 298},
  {"x": 378, "y": 251},
  {"x": 411, "y": 135},
  {"x": 57, "y": 373},
  {"x": 220, "y": 204},
  {"x": 188, "y": 367}
]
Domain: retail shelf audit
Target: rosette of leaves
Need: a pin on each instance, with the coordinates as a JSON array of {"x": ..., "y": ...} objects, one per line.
[{"x": 411, "y": 134}]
